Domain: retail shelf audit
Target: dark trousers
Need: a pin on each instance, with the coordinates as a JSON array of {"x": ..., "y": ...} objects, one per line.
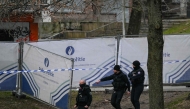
[
  {"x": 135, "y": 95},
  {"x": 81, "y": 107},
  {"x": 116, "y": 99}
]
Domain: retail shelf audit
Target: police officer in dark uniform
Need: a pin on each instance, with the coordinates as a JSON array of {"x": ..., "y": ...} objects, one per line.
[
  {"x": 120, "y": 84},
  {"x": 84, "y": 97},
  {"x": 137, "y": 80}
]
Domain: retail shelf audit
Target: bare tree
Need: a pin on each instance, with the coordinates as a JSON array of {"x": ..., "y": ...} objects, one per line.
[
  {"x": 67, "y": 8},
  {"x": 17, "y": 8},
  {"x": 135, "y": 18},
  {"x": 155, "y": 54},
  {"x": 70, "y": 11},
  {"x": 14, "y": 11}
]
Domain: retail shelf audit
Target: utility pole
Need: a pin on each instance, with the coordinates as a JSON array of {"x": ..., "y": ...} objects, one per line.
[
  {"x": 124, "y": 19},
  {"x": 183, "y": 8}
]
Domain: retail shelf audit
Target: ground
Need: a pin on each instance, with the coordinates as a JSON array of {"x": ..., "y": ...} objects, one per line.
[
  {"x": 174, "y": 100},
  {"x": 103, "y": 102}
]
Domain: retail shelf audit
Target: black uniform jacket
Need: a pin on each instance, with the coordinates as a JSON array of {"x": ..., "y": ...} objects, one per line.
[
  {"x": 84, "y": 96},
  {"x": 137, "y": 76},
  {"x": 120, "y": 81}
]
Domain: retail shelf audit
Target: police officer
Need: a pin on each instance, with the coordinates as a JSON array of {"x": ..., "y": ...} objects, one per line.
[
  {"x": 137, "y": 80},
  {"x": 84, "y": 97},
  {"x": 120, "y": 84}
]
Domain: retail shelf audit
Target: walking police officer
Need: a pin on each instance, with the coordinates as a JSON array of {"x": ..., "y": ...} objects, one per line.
[
  {"x": 84, "y": 97},
  {"x": 137, "y": 80},
  {"x": 120, "y": 84}
]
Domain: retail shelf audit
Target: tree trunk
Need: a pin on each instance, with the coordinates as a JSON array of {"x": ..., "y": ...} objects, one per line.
[
  {"x": 155, "y": 54},
  {"x": 135, "y": 18}
]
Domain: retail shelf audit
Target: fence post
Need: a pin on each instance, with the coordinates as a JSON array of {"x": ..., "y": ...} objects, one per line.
[
  {"x": 118, "y": 38},
  {"x": 18, "y": 92},
  {"x": 70, "y": 92}
]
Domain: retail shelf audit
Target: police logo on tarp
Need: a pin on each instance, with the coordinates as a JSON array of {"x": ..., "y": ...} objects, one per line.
[{"x": 70, "y": 50}]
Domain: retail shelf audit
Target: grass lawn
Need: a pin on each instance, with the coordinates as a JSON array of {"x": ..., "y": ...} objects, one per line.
[
  {"x": 180, "y": 102},
  {"x": 183, "y": 28},
  {"x": 8, "y": 101}
]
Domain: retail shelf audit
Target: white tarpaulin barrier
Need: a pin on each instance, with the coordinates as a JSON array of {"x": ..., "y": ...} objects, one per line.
[
  {"x": 51, "y": 86},
  {"x": 132, "y": 49},
  {"x": 8, "y": 62},
  {"x": 93, "y": 58},
  {"x": 176, "y": 57}
]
